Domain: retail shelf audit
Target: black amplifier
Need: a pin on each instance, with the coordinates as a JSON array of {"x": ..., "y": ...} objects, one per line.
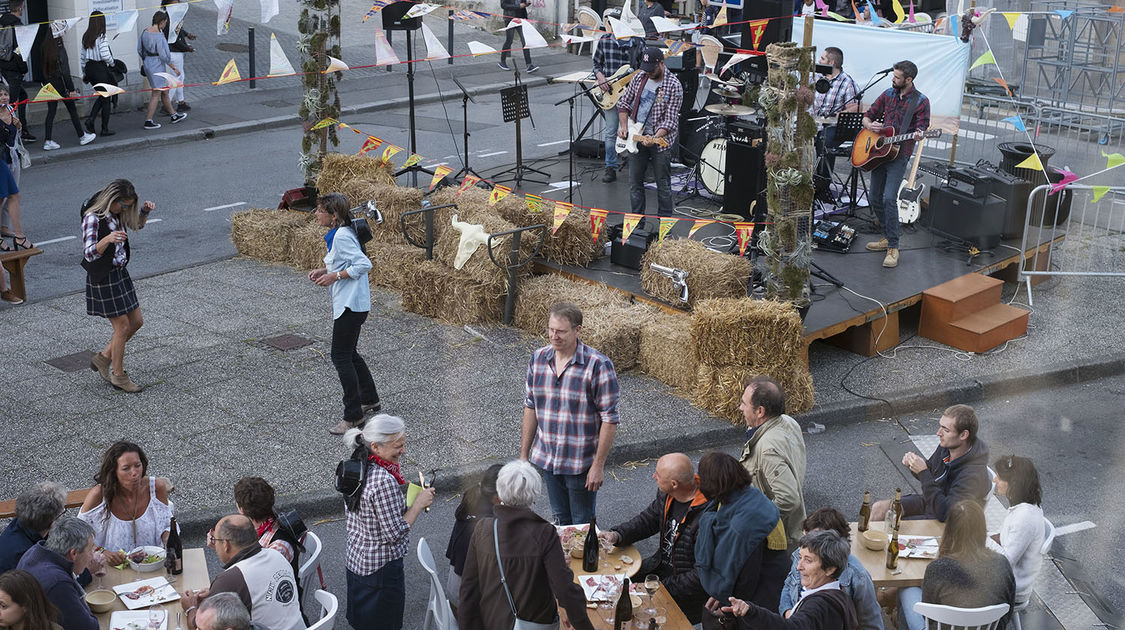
[
  {"x": 746, "y": 132},
  {"x": 977, "y": 220},
  {"x": 1014, "y": 190},
  {"x": 970, "y": 181},
  {"x": 629, "y": 253}
]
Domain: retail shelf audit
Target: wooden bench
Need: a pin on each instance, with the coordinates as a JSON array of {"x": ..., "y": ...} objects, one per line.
[
  {"x": 14, "y": 263},
  {"x": 74, "y": 499}
]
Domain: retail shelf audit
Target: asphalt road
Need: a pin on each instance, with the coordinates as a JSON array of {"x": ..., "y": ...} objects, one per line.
[{"x": 1069, "y": 432}]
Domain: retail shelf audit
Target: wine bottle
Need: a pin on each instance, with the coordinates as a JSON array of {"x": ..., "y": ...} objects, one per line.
[
  {"x": 590, "y": 549},
  {"x": 896, "y": 507},
  {"x": 865, "y": 512},
  {"x": 652, "y": 624},
  {"x": 892, "y": 550},
  {"x": 623, "y": 617},
  {"x": 175, "y": 548}
]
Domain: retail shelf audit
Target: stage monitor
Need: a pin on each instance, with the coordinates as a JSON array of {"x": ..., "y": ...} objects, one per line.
[{"x": 394, "y": 17}]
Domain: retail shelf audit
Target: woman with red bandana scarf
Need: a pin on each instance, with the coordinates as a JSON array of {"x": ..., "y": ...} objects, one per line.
[{"x": 379, "y": 527}]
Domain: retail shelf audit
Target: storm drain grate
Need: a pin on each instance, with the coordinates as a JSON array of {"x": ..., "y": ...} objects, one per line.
[
  {"x": 71, "y": 362},
  {"x": 287, "y": 342}
]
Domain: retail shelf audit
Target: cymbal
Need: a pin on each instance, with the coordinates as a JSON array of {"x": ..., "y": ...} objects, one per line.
[
  {"x": 730, "y": 110},
  {"x": 730, "y": 217},
  {"x": 733, "y": 81},
  {"x": 727, "y": 93}
]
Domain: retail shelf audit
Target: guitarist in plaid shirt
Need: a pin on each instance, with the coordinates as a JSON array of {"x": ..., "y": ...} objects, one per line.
[{"x": 609, "y": 57}]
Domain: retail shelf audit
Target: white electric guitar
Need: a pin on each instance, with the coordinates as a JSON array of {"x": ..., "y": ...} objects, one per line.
[
  {"x": 909, "y": 193},
  {"x": 633, "y": 135}
]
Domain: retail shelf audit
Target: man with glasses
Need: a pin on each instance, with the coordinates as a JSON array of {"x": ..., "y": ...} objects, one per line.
[{"x": 569, "y": 416}]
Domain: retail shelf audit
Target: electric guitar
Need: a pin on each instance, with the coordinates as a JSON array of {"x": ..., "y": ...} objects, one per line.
[
  {"x": 618, "y": 82},
  {"x": 909, "y": 193},
  {"x": 872, "y": 149},
  {"x": 633, "y": 135}
]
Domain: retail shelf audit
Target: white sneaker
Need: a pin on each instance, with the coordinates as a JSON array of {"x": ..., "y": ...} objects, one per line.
[
  {"x": 87, "y": 138},
  {"x": 51, "y": 145}
]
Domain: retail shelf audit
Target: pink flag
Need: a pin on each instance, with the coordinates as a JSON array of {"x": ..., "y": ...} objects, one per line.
[{"x": 1064, "y": 182}]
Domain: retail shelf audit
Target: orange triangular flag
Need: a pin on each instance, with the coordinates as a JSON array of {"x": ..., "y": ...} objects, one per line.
[
  {"x": 744, "y": 231},
  {"x": 389, "y": 152},
  {"x": 597, "y": 221},
  {"x": 1003, "y": 83},
  {"x": 230, "y": 74},
  {"x": 630, "y": 224},
  {"x": 858, "y": 16},
  {"x": 467, "y": 183},
  {"x": 562, "y": 209},
  {"x": 695, "y": 228},
  {"x": 757, "y": 29},
  {"x": 498, "y": 193},
  {"x": 370, "y": 144},
  {"x": 439, "y": 172}
]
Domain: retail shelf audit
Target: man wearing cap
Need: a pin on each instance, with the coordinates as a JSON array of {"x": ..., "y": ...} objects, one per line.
[{"x": 653, "y": 99}]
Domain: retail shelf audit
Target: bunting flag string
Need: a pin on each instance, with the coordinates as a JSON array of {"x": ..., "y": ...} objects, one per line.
[
  {"x": 666, "y": 224},
  {"x": 534, "y": 203},
  {"x": 630, "y": 224},
  {"x": 597, "y": 221},
  {"x": 440, "y": 171},
  {"x": 375, "y": 8},
  {"x": 498, "y": 193},
  {"x": 562, "y": 209}
]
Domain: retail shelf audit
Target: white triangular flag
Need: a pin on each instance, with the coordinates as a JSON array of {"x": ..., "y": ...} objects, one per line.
[
  {"x": 434, "y": 49},
  {"x": 126, "y": 20},
  {"x": 421, "y": 9},
  {"x": 223, "y": 10},
  {"x": 279, "y": 63},
  {"x": 105, "y": 89},
  {"x": 630, "y": 18},
  {"x": 269, "y": 9},
  {"x": 531, "y": 36},
  {"x": 621, "y": 30},
  {"x": 171, "y": 81},
  {"x": 477, "y": 48},
  {"x": 512, "y": 23},
  {"x": 335, "y": 65},
  {"x": 176, "y": 13},
  {"x": 664, "y": 25},
  {"x": 384, "y": 54},
  {"x": 734, "y": 59},
  {"x": 575, "y": 39},
  {"x": 25, "y": 37}
]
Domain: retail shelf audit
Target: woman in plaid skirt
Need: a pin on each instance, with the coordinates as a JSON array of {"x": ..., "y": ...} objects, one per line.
[{"x": 109, "y": 289}]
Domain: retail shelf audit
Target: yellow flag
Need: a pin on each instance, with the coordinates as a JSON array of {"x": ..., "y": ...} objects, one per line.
[
  {"x": 389, "y": 152},
  {"x": 230, "y": 74},
  {"x": 695, "y": 228},
  {"x": 630, "y": 224},
  {"x": 370, "y": 144},
  {"x": 1099, "y": 192},
  {"x": 48, "y": 93},
  {"x": 1113, "y": 159},
  {"x": 324, "y": 122},
  {"x": 1011, "y": 17},
  {"x": 900, "y": 14},
  {"x": 721, "y": 17},
  {"x": 1032, "y": 162},
  {"x": 597, "y": 221},
  {"x": 562, "y": 209},
  {"x": 498, "y": 193},
  {"x": 665, "y": 227},
  {"x": 439, "y": 172},
  {"x": 412, "y": 160},
  {"x": 987, "y": 57}
]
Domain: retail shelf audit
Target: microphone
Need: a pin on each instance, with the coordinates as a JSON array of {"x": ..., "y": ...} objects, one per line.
[{"x": 887, "y": 71}]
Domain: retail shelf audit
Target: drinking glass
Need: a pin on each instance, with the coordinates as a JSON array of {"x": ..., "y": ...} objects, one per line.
[
  {"x": 652, "y": 584},
  {"x": 155, "y": 618},
  {"x": 99, "y": 566},
  {"x": 661, "y": 616}
]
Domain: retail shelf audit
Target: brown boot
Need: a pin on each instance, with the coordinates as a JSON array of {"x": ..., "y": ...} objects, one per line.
[
  {"x": 877, "y": 246},
  {"x": 343, "y": 426},
  {"x": 100, "y": 364},
  {"x": 124, "y": 383},
  {"x": 891, "y": 259}
]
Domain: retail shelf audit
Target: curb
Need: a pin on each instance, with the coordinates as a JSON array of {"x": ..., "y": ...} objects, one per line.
[
  {"x": 275, "y": 122},
  {"x": 323, "y": 503}
]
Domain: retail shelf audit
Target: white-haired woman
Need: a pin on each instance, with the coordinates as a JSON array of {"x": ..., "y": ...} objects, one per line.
[
  {"x": 534, "y": 567},
  {"x": 379, "y": 527}
]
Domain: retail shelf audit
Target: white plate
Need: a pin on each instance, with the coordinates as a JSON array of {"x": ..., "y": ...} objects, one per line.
[
  {"x": 133, "y": 620},
  {"x": 162, "y": 593}
]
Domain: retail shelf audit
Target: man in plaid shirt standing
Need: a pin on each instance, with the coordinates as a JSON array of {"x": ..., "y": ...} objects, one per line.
[
  {"x": 610, "y": 55},
  {"x": 653, "y": 97},
  {"x": 569, "y": 416}
]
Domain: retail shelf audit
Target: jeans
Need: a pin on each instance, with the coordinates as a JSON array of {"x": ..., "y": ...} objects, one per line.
[
  {"x": 355, "y": 378},
  {"x": 907, "y": 618},
  {"x": 570, "y": 500},
  {"x": 376, "y": 601},
  {"x": 509, "y": 38},
  {"x": 612, "y": 123},
  {"x": 884, "y": 197},
  {"x": 661, "y": 170}
]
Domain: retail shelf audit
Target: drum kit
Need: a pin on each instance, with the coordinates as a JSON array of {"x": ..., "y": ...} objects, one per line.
[{"x": 722, "y": 119}]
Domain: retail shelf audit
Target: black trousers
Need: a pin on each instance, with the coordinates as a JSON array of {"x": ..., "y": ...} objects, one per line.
[
  {"x": 355, "y": 378},
  {"x": 510, "y": 38},
  {"x": 53, "y": 108},
  {"x": 17, "y": 93}
]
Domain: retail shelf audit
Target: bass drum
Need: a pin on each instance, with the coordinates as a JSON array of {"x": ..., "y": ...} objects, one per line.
[{"x": 712, "y": 166}]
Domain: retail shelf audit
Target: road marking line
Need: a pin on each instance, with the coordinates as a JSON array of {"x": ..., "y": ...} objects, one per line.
[
  {"x": 155, "y": 220},
  {"x": 56, "y": 240},
  {"x": 549, "y": 144},
  {"x": 1076, "y": 527},
  {"x": 229, "y": 205},
  {"x": 484, "y": 155}
]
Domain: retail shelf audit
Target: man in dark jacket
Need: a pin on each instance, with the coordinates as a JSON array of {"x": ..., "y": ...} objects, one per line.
[
  {"x": 515, "y": 9},
  {"x": 12, "y": 64},
  {"x": 674, "y": 515},
  {"x": 957, "y": 470},
  {"x": 36, "y": 510},
  {"x": 55, "y": 561}
]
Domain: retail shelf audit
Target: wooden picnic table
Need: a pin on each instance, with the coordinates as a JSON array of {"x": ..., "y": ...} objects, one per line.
[
  {"x": 194, "y": 577},
  {"x": 910, "y": 570},
  {"x": 675, "y": 619}
]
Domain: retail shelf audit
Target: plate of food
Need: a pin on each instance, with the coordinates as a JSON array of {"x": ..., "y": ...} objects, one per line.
[
  {"x": 146, "y": 559},
  {"x": 918, "y": 547},
  {"x": 145, "y": 593},
  {"x": 136, "y": 620},
  {"x": 572, "y": 535},
  {"x": 601, "y": 588}
]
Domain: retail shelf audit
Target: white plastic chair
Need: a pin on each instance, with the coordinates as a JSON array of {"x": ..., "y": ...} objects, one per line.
[
  {"x": 710, "y": 47},
  {"x": 1044, "y": 550},
  {"x": 953, "y": 618},
  {"x": 309, "y": 567},
  {"x": 590, "y": 25},
  {"x": 329, "y": 604},
  {"x": 439, "y": 615}
]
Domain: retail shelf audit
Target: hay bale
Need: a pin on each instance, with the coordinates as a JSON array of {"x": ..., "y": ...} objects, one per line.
[
  {"x": 665, "y": 351},
  {"x": 710, "y": 274},
  {"x": 718, "y": 389},
  {"x": 338, "y": 169},
  {"x": 573, "y": 243},
  {"x": 479, "y": 265},
  {"x": 536, "y": 295},
  {"x": 265, "y": 234},
  {"x": 307, "y": 248},
  {"x": 727, "y": 331},
  {"x": 392, "y": 265},
  {"x": 436, "y": 291},
  {"x": 614, "y": 329}
]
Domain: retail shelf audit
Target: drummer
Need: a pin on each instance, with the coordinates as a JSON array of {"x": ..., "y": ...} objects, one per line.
[{"x": 840, "y": 97}]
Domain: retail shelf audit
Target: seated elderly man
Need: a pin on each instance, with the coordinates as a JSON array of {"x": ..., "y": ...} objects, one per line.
[
  {"x": 222, "y": 611},
  {"x": 674, "y": 515},
  {"x": 260, "y": 577},
  {"x": 822, "y": 605},
  {"x": 54, "y": 563},
  {"x": 36, "y": 510}
]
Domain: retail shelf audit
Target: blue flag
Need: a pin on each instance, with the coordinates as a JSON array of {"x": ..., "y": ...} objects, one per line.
[{"x": 1016, "y": 122}]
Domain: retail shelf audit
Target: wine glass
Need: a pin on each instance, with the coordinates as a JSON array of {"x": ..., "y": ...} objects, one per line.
[
  {"x": 99, "y": 568},
  {"x": 652, "y": 584},
  {"x": 661, "y": 616},
  {"x": 155, "y": 618}
]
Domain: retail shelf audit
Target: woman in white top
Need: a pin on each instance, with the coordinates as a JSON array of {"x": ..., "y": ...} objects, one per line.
[
  {"x": 1024, "y": 530},
  {"x": 345, "y": 273},
  {"x": 96, "y": 59},
  {"x": 127, "y": 508}
]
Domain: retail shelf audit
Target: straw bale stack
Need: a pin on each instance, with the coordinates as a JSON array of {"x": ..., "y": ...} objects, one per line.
[
  {"x": 392, "y": 265},
  {"x": 337, "y": 169},
  {"x": 734, "y": 339},
  {"x": 393, "y": 202},
  {"x": 265, "y": 234},
  {"x": 572, "y": 244},
  {"x": 536, "y": 295},
  {"x": 436, "y": 291},
  {"x": 307, "y": 248},
  {"x": 614, "y": 329},
  {"x": 665, "y": 351},
  {"x": 710, "y": 274},
  {"x": 479, "y": 265}
]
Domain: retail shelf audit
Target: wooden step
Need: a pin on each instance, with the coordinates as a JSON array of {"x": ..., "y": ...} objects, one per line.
[
  {"x": 960, "y": 297},
  {"x": 985, "y": 329}
]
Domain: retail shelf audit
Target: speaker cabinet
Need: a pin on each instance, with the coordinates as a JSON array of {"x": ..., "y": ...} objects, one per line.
[
  {"x": 745, "y": 179},
  {"x": 977, "y": 220}
]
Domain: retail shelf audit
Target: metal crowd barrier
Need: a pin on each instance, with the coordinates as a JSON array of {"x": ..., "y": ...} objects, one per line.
[{"x": 1095, "y": 233}]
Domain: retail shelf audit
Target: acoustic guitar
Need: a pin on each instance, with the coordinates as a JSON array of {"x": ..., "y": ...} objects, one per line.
[
  {"x": 633, "y": 136},
  {"x": 872, "y": 149},
  {"x": 618, "y": 83},
  {"x": 909, "y": 193}
]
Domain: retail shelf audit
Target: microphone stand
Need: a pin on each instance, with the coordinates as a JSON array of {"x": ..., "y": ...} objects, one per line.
[
  {"x": 465, "y": 98},
  {"x": 571, "y": 99}
]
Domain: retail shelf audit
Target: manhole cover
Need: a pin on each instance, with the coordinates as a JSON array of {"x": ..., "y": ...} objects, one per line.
[
  {"x": 234, "y": 48},
  {"x": 287, "y": 342},
  {"x": 278, "y": 104},
  {"x": 72, "y": 362}
]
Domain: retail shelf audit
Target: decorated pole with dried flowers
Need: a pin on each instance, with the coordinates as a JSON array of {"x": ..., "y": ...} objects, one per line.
[
  {"x": 786, "y": 241},
  {"x": 319, "y": 26}
]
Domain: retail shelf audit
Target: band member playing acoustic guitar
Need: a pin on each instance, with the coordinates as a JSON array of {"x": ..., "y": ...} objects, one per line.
[
  {"x": 906, "y": 110},
  {"x": 653, "y": 99},
  {"x": 611, "y": 55}
]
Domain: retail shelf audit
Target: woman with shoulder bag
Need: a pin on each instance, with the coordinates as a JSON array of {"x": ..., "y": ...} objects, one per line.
[
  {"x": 56, "y": 72},
  {"x": 96, "y": 60},
  {"x": 156, "y": 59},
  {"x": 516, "y": 575}
]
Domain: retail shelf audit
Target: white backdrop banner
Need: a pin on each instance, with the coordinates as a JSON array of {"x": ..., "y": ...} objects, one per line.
[{"x": 942, "y": 62}]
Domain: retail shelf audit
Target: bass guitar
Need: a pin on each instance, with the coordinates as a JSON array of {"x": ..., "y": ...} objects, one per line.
[
  {"x": 909, "y": 192},
  {"x": 618, "y": 82},
  {"x": 872, "y": 149},
  {"x": 633, "y": 135}
]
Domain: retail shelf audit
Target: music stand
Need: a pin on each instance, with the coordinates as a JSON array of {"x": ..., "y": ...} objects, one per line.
[
  {"x": 848, "y": 125},
  {"x": 514, "y": 107},
  {"x": 465, "y": 98},
  {"x": 394, "y": 19}
]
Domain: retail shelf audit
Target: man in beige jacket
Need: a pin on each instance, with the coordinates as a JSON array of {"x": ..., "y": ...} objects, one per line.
[{"x": 775, "y": 452}]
